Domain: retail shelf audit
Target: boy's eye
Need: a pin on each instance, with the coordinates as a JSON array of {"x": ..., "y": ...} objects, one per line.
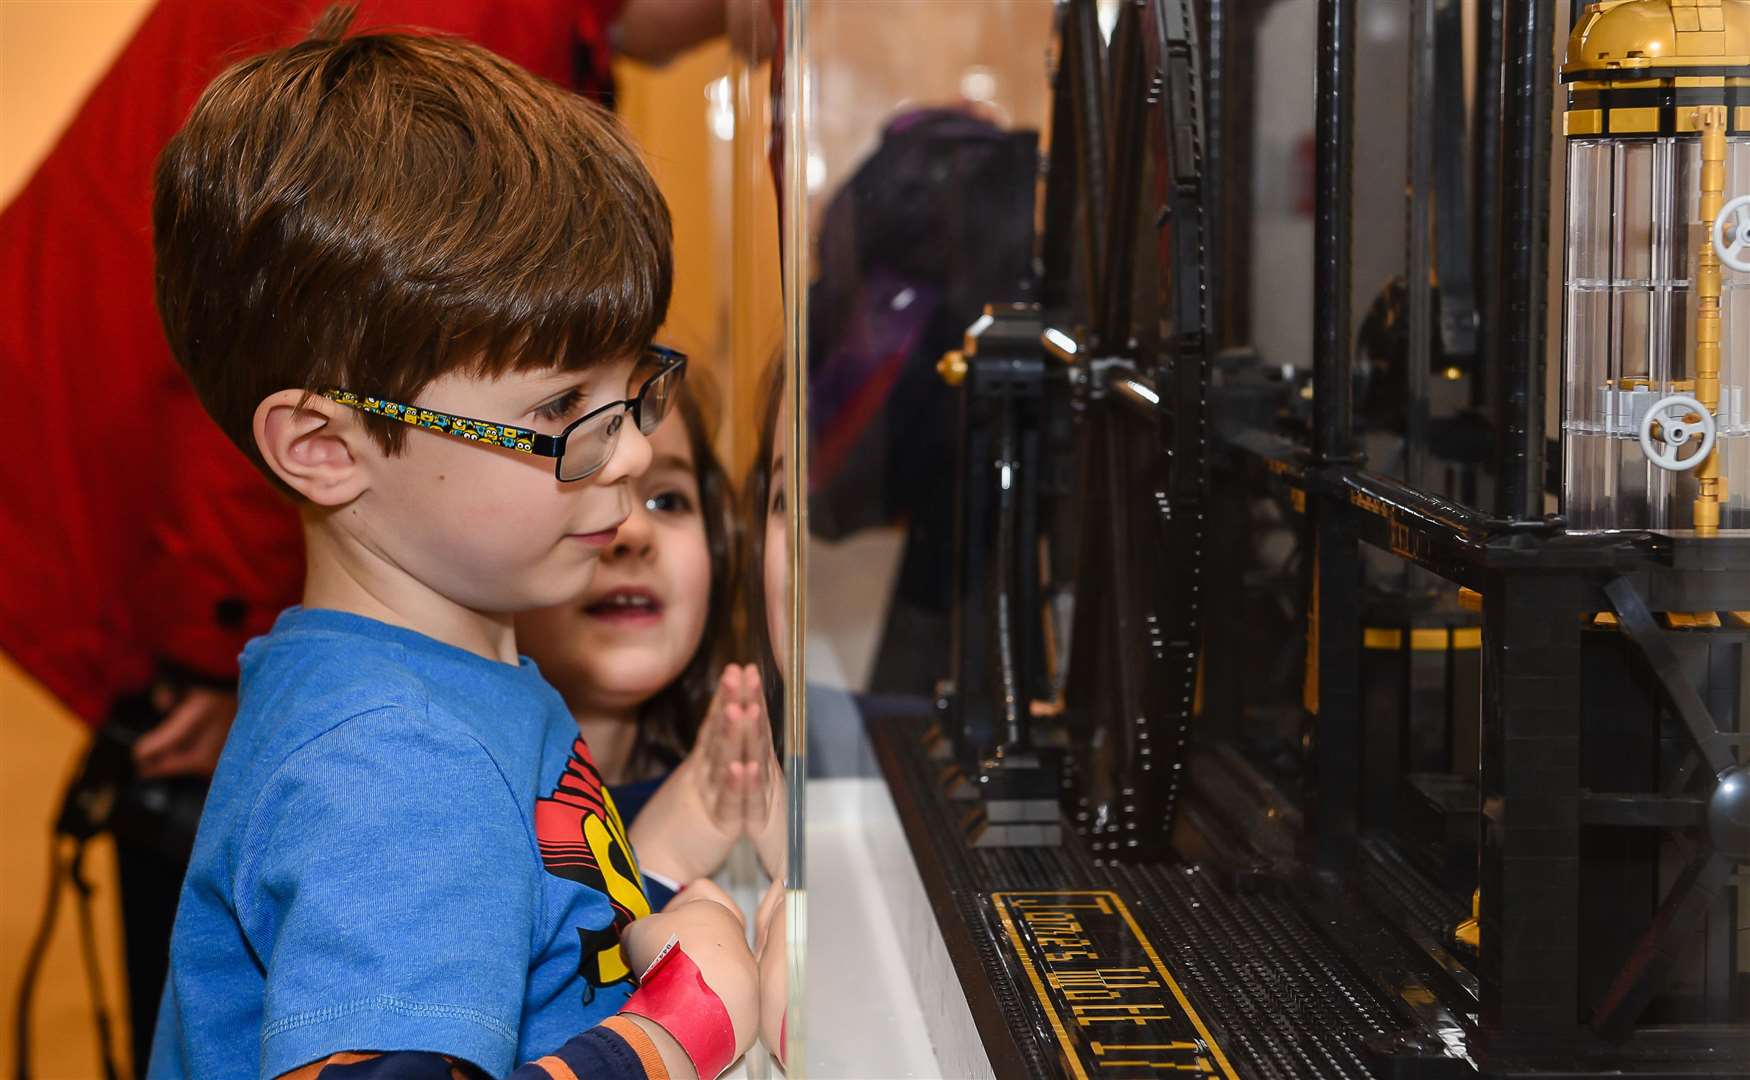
[
  {"x": 561, "y": 407},
  {"x": 669, "y": 502}
]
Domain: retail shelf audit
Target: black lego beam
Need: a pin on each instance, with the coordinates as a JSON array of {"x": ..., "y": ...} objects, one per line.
[{"x": 1523, "y": 277}]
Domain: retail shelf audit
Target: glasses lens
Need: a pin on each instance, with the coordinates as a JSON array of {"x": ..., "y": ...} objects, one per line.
[
  {"x": 657, "y": 399},
  {"x": 590, "y": 446}
]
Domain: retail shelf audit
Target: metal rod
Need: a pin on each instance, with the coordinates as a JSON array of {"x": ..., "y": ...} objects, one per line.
[
  {"x": 1086, "y": 53},
  {"x": 1014, "y": 715},
  {"x": 1486, "y": 184},
  {"x": 1418, "y": 229},
  {"x": 1127, "y": 106},
  {"x": 1524, "y": 247},
  {"x": 1215, "y": 33},
  {"x": 1333, "y": 387}
]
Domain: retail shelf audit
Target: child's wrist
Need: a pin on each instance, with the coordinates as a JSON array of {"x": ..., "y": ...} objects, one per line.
[
  {"x": 674, "y": 995},
  {"x": 674, "y": 1059}
]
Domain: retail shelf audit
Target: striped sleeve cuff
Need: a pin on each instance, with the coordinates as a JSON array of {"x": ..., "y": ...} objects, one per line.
[{"x": 617, "y": 1049}]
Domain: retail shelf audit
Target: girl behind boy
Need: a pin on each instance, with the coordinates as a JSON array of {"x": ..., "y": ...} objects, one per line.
[{"x": 636, "y": 659}]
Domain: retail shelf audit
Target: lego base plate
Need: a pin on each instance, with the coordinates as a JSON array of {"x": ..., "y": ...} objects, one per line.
[{"x": 1076, "y": 969}]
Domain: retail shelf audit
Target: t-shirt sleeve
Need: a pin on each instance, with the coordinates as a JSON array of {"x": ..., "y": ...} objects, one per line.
[{"x": 389, "y": 890}]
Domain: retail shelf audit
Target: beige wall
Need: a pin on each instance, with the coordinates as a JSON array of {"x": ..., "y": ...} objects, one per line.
[{"x": 51, "y": 52}]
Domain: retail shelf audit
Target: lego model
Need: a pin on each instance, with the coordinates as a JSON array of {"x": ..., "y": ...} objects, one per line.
[{"x": 1497, "y": 824}]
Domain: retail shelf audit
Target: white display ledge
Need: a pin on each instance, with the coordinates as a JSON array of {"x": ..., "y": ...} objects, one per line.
[{"x": 883, "y": 1000}]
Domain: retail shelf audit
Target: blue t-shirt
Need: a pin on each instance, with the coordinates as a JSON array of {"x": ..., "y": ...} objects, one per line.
[{"x": 406, "y": 847}]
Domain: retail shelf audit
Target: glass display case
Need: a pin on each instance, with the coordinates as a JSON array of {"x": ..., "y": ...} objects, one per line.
[{"x": 1657, "y": 335}]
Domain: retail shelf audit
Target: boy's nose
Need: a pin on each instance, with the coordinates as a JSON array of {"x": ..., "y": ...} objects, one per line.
[{"x": 631, "y": 456}]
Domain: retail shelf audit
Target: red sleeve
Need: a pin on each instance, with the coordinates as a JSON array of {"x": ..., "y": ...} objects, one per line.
[{"x": 106, "y": 438}]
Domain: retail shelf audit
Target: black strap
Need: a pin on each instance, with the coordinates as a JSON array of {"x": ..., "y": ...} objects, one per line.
[
  {"x": 33, "y": 966},
  {"x": 71, "y": 870},
  {"x": 93, "y": 976},
  {"x": 63, "y": 870}
]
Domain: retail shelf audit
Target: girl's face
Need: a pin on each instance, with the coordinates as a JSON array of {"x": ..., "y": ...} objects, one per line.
[
  {"x": 776, "y": 568},
  {"x": 639, "y": 623}
]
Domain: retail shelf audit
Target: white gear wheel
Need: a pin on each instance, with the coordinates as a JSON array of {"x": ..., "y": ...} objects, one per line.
[
  {"x": 1736, "y": 254},
  {"x": 1676, "y": 431}
]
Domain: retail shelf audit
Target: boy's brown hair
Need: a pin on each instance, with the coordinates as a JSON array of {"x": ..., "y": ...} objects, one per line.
[{"x": 373, "y": 212}]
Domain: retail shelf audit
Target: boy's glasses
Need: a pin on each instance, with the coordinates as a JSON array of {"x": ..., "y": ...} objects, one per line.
[{"x": 582, "y": 448}]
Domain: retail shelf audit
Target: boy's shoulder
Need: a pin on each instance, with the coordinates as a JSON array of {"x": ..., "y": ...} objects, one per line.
[
  {"x": 349, "y": 725},
  {"x": 309, "y": 676},
  {"x": 326, "y": 681},
  {"x": 338, "y": 664}
]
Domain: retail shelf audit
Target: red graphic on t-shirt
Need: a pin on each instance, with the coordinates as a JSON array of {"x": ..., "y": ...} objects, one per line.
[{"x": 582, "y": 839}]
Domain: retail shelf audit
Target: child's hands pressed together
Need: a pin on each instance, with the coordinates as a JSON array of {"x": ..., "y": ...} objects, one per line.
[
  {"x": 728, "y": 786},
  {"x": 767, "y": 809}
]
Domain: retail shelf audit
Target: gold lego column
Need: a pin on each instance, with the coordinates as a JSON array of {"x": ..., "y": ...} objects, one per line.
[{"x": 1711, "y": 121}]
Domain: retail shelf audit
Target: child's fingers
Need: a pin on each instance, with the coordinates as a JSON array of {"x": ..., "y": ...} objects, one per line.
[
  {"x": 760, "y": 750},
  {"x": 720, "y": 698},
  {"x": 741, "y": 744},
  {"x": 762, "y": 722},
  {"x": 728, "y": 804},
  {"x": 729, "y": 684},
  {"x": 725, "y": 739}
]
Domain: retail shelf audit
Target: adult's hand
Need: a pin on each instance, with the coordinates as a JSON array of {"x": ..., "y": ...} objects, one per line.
[{"x": 188, "y": 740}]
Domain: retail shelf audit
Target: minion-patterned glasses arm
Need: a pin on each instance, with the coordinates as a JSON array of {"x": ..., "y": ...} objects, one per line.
[{"x": 522, "y": 440}]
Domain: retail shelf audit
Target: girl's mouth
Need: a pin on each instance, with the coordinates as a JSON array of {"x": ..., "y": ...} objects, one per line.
[{"x": 628, "y": 606}]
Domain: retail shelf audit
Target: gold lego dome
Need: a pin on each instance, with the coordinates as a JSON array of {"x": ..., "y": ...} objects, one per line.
[{"x": 1630, "y": 36}]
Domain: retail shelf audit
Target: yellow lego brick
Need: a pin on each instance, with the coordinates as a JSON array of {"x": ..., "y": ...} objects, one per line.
[{"x": 1643, "y": 121}]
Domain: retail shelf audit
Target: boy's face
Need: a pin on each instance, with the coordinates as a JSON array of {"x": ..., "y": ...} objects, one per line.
[{"x": 491, "y": 529}]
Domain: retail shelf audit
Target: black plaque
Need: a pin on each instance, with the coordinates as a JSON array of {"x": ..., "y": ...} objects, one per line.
[{"x": 1112, "y": 1004}]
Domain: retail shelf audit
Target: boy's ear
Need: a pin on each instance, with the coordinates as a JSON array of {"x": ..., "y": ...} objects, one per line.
[{"x": 316, "y": 446}]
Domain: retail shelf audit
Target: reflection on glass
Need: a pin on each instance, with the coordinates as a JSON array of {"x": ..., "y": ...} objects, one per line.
[{"x": 909, "y": 161}]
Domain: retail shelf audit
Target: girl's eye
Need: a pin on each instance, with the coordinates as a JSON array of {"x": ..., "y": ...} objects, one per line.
[
  {"x": 669, "y": 502},
  {"x": 561, "y": 407},
  {"x": 777, "y": 506}
]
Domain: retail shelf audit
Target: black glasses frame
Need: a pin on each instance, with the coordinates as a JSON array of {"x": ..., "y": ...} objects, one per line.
[{"x": 520, "y": 439}]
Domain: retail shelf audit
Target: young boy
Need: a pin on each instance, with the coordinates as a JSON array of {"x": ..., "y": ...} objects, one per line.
[{"x": 407, "y": 865}]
